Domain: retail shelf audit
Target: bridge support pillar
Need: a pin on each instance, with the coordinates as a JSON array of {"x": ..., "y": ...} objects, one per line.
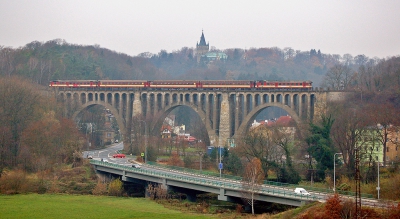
[
  {"x": 224, "y": 125},
  {"x": 222, "y": 196},
  {"x": 137, "y": 104},
  {"x": 164, "y": 185}
]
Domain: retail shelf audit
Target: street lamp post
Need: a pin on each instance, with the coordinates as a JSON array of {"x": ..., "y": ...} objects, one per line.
[
  {"x": 378, "y": 188},
  {"x": 334, "y": 171},
  {"x": 145, "y": 140},
  {"x": 220, "y": 161}
]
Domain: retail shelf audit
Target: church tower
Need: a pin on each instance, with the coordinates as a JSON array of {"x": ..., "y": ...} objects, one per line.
[{"x": 201, "y": 48}]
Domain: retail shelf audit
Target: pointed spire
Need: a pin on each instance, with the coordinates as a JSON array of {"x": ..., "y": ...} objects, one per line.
[{"x": 202, "y": 39}]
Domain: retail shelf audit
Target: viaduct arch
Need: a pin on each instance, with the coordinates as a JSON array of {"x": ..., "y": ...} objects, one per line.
[{"x": 224, "y": 114}]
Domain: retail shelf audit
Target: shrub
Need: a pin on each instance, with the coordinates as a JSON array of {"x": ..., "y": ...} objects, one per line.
[
  {"x": 333, "y": 207},
  {"x": 13, "y": 182},
  {"x": 115, "y": 188},
  {"x": 100, "y": 189}
]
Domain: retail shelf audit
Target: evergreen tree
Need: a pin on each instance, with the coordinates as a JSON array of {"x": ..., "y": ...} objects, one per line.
[
  {"x": 320, "y": 146},
  {"x": 232, "y": 162}
]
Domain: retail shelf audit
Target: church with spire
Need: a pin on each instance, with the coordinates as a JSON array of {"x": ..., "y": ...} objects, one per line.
[
  {"x": 202, "y": 48},
  {"x": 203, "y": 54}
]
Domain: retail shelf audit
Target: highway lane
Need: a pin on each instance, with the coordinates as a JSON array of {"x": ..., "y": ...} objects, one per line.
[{"x": 106, "y": 154}]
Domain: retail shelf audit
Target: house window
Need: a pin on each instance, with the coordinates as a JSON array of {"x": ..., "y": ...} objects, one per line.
[
  {"x": 108, "y": 135},
  {"x": 387, "y": 149}
]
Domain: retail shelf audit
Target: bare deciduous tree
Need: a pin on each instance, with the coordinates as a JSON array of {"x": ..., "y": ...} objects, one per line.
[
  {"x": 258, "y": 143},
  {"x": 339, "y": 77},
  {"x": 252, "y": 181}
]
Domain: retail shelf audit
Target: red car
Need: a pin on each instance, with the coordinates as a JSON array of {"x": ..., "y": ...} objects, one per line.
[{"x": 119, "y": 156}]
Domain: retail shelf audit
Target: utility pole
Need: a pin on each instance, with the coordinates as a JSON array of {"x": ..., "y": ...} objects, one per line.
[
  {"x": 358, "y": 185},
  {"x": 378, "y": 188},
  {"x": 220, "y": 162},
  {"x": 334, "y": 171},
  {"x": 201, "y": 158},
  {"x": 145, "y": 140}
]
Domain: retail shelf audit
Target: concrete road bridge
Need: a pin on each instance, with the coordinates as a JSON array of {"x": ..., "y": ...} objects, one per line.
[
  {"x": 228, "y": 188},
  {"x": 224, "y": 114}
]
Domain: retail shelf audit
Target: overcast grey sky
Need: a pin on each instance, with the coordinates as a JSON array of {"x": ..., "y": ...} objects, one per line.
[{"x": 369, "y": 27}]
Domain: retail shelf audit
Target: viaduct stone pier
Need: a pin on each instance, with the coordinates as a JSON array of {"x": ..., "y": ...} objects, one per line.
[{"x": 224, "y": 114}]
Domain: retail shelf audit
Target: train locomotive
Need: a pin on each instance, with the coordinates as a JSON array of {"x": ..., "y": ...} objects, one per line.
[{"x": 182, "y": 85}]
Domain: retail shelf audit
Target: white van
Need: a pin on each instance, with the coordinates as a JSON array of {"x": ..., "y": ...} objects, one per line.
[{"x": 301, "y": 191}]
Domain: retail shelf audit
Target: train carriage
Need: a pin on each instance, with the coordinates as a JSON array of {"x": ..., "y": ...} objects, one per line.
[
  {"x": 183, "y": 84},
  {"x": 287, "y": 85},
  {"x": 173, "y": 84},
  {"x": 231, "y": 84},
  {"x": 73, "y": 83},
  {"x": 124, "y": 84}
]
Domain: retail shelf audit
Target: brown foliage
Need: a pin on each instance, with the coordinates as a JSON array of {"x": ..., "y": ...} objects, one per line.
[
  {"x": 336, "y": 209},
  {"x": 395, "y": 212},
  {"x": 30, "y": 129},
  {"x": 333, "y": 207},
  {"x": 315, "y": 212},
  {"x": 157, "y": 192},
  {"x": 175, "y": 160},
  {"x": 100, "y": 188},
  {"x": 13, "y": 182}
]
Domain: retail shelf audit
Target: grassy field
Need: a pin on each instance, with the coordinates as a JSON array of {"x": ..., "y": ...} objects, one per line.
[{"x": 84, "y": 206}]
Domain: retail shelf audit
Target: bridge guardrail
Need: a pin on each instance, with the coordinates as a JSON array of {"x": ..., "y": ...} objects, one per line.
[
  {"x": 266, "y": 182},
  {"x": 206, "y": 181}
]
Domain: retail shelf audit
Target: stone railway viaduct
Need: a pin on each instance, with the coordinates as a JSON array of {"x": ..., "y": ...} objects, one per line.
[{"x": 224, "y": 114}]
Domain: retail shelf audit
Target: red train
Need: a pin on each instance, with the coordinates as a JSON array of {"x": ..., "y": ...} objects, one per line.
[{"x": 182, "y": 85}]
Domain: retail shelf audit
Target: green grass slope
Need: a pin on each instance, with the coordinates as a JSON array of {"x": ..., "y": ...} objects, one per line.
[{"x": 84, "y": 206}]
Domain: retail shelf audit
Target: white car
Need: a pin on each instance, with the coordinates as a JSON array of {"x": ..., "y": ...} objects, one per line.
[
  {"x": 137, "y": 166},
  {"x": 301, "y": 191}
]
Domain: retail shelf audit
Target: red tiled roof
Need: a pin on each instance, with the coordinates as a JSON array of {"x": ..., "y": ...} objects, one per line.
[{"x": 284, "y": 120}]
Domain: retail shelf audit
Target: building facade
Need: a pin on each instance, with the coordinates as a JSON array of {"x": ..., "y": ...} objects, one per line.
[{"x": 370, "y": 145}]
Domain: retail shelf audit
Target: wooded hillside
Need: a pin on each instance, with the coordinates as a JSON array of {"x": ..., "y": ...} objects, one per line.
[{"x": 57, "y": 59}]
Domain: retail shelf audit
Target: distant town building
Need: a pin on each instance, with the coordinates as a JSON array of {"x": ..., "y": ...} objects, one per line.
[
  {"x": 107, "y": 133},
  {"x": 285, "y": 123},
  {"x": 202, "y": 48},
  {"x": 170, "y": 120},
  {"x": 204, "y": 55},
  {"x": 371, "y": 146},
  {"x": 166, "y": 131}
]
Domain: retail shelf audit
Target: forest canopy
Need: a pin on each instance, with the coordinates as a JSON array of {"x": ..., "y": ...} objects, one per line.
[{"x": 56, "y": 59}]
